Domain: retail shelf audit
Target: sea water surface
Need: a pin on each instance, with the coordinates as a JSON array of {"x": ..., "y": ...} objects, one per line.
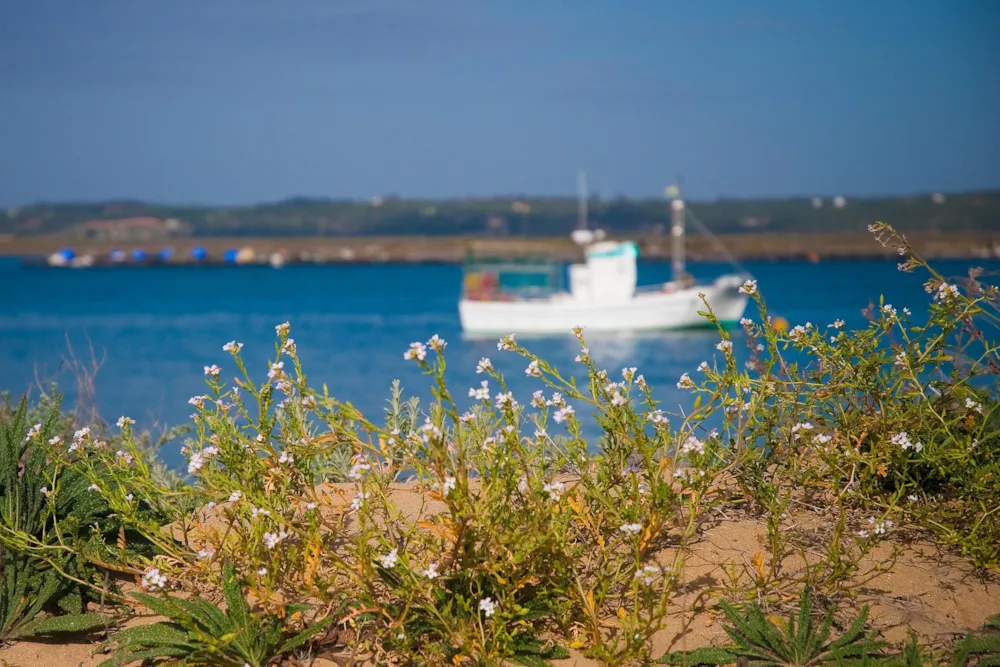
[{"x": 155, "y": 329}]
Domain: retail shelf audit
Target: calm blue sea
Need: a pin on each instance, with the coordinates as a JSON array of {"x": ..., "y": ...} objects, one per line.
[{"x": 157, "y": 328}]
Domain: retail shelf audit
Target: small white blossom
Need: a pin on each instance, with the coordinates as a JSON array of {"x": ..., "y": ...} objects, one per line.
[
  {"x": 282, "y": 329},
  {"x": 583, "y": 357},
  {"x": 749, "y": 287},
  {"x": 973, "y": 405},
  {"x": 692, "y": 444},
  {"x": 122, "y": 421},
  {"x": 33, "y": 432},
  {"x": 432, "y": 571},
  {"x": 657, "y": 417},
  {"x": 286, "y": 458},
  {"x": 487, "y": 606},
  {"x": 746, "y": 322},
  {"x": 449, "y": 485},
  {"x": 507, "y": 343},
  {"x": 213, "y": 370},
  {"x": 484, "y": 365},
  {"x": 389, "y": 560},
  {"x": 822, "y": 438},
  {"x": 417, "y": 351},
  {"x": 197, "y": 401},
  {"x": 93, "y": 487},
  {"x": 837, "y": 324},
  {"x": 532, "y": 370},
  {"x": 505, "y": 399},
  {"x": 271, "y": 540},
  {"x": 562, "y": 414},
  {"x": 724, "y": 346},
  {"x": 640, "y": 381},
  {"x": 482, "y": 393},
  {"x": 152, "y": 580},
  {"x": 618, "y": 399},
  {"x": 437, "y": 343},
  {"x": 232, "y": 346},
  {"x": 359, "y": 500},
  {"x": 276, "y": 370},
  {"x": 289, "y": 347},
  {"x": 554, "y": 490},
  {"x": 358, "y": 470},
  {"x": 235, "y": 496},
  {"x": 204, "y": 554},
  {"x": 946, "y": 292},
  {"x": 685, "y": 382},
  {"x": 648, "y": 574},
  {"x": 262, "y": 571},
  {"x": 631, "y": 528},
  {"x": 55, "y": 440},
  {"x": 256, "y": 511},
  {"x": 912, "y": 498},
  {"x": 903, "y": 440}
]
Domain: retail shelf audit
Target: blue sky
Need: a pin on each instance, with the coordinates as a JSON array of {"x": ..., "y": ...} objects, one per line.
[{"x": 236, "y": 101}]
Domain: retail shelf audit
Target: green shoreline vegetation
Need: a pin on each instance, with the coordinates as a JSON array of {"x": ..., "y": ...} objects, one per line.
[{"x": 287, "y": 537}]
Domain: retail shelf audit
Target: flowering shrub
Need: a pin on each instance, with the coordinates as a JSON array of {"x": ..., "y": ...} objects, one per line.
[{"x": 482, "y": 526}]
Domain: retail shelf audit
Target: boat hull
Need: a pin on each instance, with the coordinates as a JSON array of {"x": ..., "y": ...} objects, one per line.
[{"x": 646, "y": 311}]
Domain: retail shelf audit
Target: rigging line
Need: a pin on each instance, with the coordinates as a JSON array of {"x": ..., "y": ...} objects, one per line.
[{"x": 716, "y": 242}]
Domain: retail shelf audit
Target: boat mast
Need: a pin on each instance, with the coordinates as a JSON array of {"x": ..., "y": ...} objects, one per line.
[
  {"x": 677, "y": 233},
  {"x": 581, "y": 188}
]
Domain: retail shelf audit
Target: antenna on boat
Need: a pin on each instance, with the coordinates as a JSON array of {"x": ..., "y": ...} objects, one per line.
[
  {"x": 677, "y": 213},
  {"x": 582, "y": 235}
]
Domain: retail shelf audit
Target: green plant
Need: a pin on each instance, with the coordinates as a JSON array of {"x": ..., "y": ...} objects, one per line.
[
  {"x": 24, "y": 594},
  {"x": 980, "y": 649},
  {"x": 200, "y": 633},
  {"x": 797, "y": 641}
]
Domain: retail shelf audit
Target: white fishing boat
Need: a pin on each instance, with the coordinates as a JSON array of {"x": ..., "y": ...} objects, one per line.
[{"x": 531, "y": 298}]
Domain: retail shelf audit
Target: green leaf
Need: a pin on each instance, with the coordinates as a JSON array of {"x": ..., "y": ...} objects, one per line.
[
  {"x": 63, "y": 624},
  {"x": 700, "y": 656}
]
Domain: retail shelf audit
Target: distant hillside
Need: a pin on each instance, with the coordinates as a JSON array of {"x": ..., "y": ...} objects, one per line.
[{"x": 500, "y": 216}]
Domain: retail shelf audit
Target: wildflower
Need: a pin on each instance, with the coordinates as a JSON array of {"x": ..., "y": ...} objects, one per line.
[
  {"x": 889, "y": 311},
  {"x": 45, "y": 490},
  {"x": 578, "y": 333},
  {"x": 903, "y": 440},
  {"x": 197, "y": 401},
  {"x": 152, "y": 580},
  {"x": 94, "y": 487},
  {"x": 432, "y": 571},
  {"x": 122, "y": 421},
  {"x": 232, "y": 347},
  {"x": 631, "y": 528},
  {"x": 204, "y": 554},
  {"x": 532, "y": 370},
  {"x": 685, "y": 382},
  {"x": 311, "y": 506},
  {"x": 507, "y": 343},
  {"x": 308, "y": 403},
  {"x": 286, "y": 458},
  {"x": 282, "y": 329},
  {"x": 487, "y": 606},
  {"x": 82, "y": 433},
  {"x": 629, "y": 373},
  {"x": 449, "y": 485},
  {"x": 482, "y": 393},
  {"x": 505, "y": 399},
  {"x": 640, "y": 382},
  {"x": 946, "y": 292},
  {"x": 822, "y": 438},
  {"x": 583, "y": 357},
  {"x": 256, "y": 511},
  {"x": 554, "y": 489},
  {"x": 289, "y": 347},
  {"x": 657, "y": 417},
  {"x": 522, "y": 485},
  {"x": 912, "y": 498},
  {"x": 906, "y": 311},
  {"x": 837, "y": 324},
  {"x": 618, "y": 399},
  {"x": 900, "y": 360},
  {"x": 213, "y": 370},
  {"x": 33, "y": 432},
  {"x": 390, "y": 559},
  {"x": 262, "y": 571},
  {"x": 271, "y": 540},
  {"x": 746, "y": 322},
  {"x": 276, "y": 370},
  {"x": 538, "y": 399},
  {"x": 556, "y": 401},
  {"x": 692, "y": 444},
  {"x": 357, "y": 470},
  {"x": 541, "y": 433},
  {"x": 724, "y": 346},
  {"x": 973, "y": 405},
  {"x": 123, "y": 455},
  {"x": 749, "y": 287},
  {"x": 437, "y": 343},
  {"x": 55, "y": 440},
  {"x": 801, "y": 426},
  {"x": 562, "y": 414},
  {"x": 799, "y": 330},
  {"x": 484, "y": 365},
  {"x": 130, "y": 497},
  {"x": 235, "y": 496},
  {"x": 196, "y": 462},
  {"x": 648, "y": 574},
  {"x": 359, "y": 500},
  {"x": 284, "y": 386}
]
